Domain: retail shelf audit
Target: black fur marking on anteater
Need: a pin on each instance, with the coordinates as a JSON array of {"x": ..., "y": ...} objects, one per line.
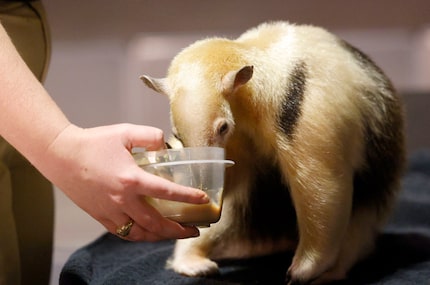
[
  {"x": 384, "y": 153},
  {"x": 291, "y": 106}
]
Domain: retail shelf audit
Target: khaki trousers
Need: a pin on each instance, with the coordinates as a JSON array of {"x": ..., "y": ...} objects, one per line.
[{"x": 26, "y": 198}]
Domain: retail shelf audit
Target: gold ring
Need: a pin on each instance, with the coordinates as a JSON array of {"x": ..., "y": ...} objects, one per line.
[{"x": 124, "y": 230}]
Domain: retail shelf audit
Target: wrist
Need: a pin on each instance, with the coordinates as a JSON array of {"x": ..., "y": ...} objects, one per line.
[{"x": 55, "y": 158}]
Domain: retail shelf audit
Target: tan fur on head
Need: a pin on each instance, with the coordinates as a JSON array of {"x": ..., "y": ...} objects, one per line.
[{"x": 316, "y": 132}]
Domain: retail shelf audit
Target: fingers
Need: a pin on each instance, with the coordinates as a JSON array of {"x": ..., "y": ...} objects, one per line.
[
  {"x": 144, "y": 136},
  {"x": 157, "y": 187},
  {"x": 149, "y": 225},
  {"x": 137, "y": 233}
]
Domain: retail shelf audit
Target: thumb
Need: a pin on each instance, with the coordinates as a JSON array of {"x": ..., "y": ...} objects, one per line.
[{"x": 144, "y": 136}]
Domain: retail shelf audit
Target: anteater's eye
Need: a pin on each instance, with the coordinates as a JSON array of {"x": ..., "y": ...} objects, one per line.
[{"x": 223, "y": 128}]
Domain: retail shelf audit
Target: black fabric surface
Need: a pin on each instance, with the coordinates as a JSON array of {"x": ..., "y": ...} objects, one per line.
[{"x": 402, "y": 256}]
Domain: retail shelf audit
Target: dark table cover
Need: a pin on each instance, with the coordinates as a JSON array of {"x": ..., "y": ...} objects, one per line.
[{"x": 402, "y": 256}]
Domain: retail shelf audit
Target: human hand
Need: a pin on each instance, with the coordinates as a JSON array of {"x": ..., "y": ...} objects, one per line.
[{"x": 95, "y": 169}]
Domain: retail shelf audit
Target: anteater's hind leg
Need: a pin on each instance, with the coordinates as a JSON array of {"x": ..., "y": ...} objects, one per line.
[
  {"x": 358, "y": 243},
  {"x": 322, "y": 193}
]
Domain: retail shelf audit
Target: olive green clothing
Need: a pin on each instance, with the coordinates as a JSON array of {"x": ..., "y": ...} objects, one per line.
[{"x": 26, "y": 197}]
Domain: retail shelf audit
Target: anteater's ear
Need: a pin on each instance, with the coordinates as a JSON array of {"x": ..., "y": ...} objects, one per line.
[
  {"x": 236, "y": 78},
  {"x": 157, "y": 84}
]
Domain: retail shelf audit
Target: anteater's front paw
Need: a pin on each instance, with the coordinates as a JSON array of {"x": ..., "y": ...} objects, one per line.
[{"x": 194, "y": 266}]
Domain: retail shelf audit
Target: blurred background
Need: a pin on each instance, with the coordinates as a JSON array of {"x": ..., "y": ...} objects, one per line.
[{"x": 101, "y": 47}]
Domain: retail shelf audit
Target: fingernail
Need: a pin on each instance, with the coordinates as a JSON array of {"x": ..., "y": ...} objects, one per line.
[
  {"x": 206, "y": 198},
  {"x": 196, "y": 233}
]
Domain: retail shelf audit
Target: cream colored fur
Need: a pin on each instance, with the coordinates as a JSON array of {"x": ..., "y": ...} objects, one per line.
[{"x": 208, "y": 87}]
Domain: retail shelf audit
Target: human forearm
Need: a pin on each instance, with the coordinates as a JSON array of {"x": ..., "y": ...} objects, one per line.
[{"x": 29, "y": 119}]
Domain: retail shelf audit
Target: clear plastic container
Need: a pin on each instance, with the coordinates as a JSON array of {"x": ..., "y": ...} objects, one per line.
[{"x": 199, "y": 167}]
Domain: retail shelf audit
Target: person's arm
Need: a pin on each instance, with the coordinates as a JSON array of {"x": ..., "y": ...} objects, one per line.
[
  {"x": 30, "y": 120},
  {"x": 93, "y": 167}
]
